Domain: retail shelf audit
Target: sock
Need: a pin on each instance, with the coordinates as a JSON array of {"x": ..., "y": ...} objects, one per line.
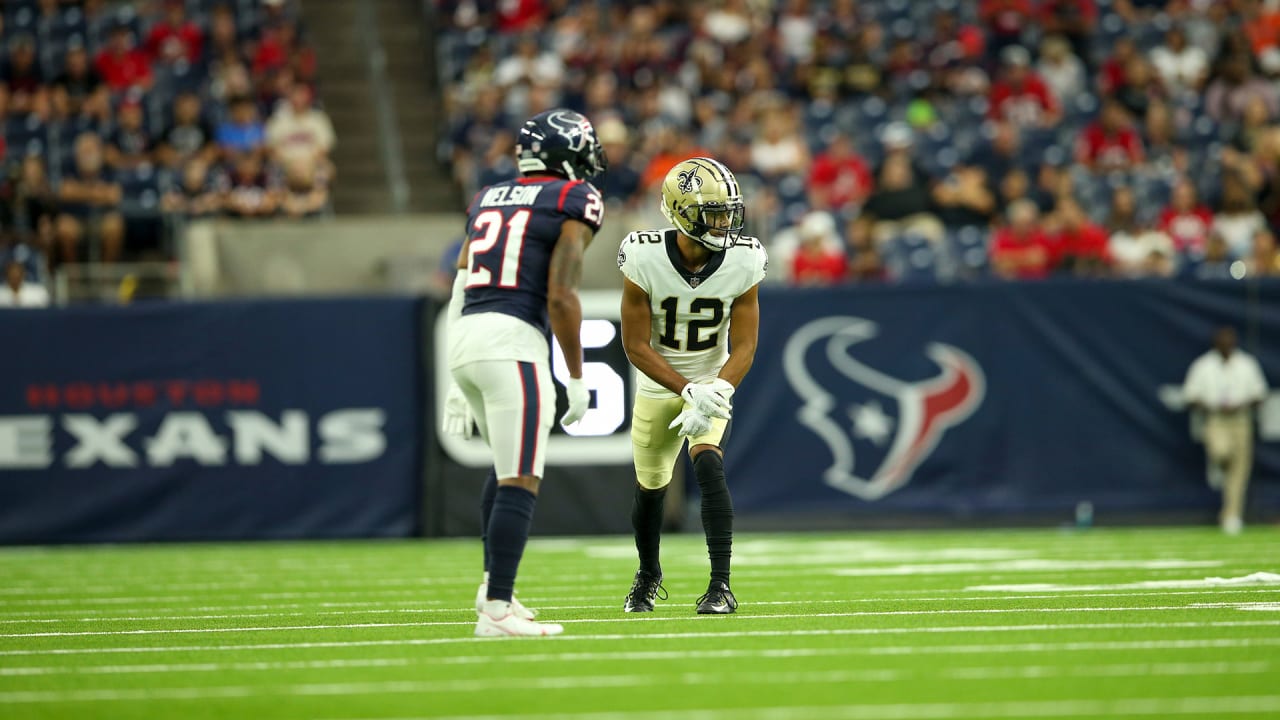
[
  {"x": 646, "y": 518},
  {"x": 717, "y": 512},
  {"x": 486, "y": 509},
  {"x": 508, "y": 533}
]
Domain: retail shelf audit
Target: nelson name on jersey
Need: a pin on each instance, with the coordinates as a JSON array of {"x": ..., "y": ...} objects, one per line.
[{"x": 507, "y": 195}]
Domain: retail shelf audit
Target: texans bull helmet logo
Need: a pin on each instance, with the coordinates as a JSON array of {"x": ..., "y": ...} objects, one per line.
[
  {"x": 905, "y": 427},
  {"x": 575, "y": 129}
]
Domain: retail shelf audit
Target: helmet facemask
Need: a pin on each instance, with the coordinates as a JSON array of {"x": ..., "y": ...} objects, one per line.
[{"x": 716, "y": 225}]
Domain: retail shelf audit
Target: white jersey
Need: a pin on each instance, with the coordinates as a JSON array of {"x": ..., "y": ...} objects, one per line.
[{"x": 690, "y": 310}]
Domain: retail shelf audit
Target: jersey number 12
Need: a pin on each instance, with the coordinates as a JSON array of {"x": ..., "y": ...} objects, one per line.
[{"x": 693, "y": 338}]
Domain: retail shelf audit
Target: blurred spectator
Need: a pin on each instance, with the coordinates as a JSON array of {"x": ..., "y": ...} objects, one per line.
[
  {"x": 1216, "y": 262},
  {"x": 1005, "y": 21},
  {"x": 242, "y": 132},
  {"x": 35, "y": 204},
  {"x": 499, "y": 163},
  {"x": 778, "y": 150},
  {"x": 174, "y": 37},
  {"x": 963, "y": 199},
  {"x": 87, "y": 202},
  {"x": 528, "y": 68},
  {"x": 666, "y": 145},
  {"x": 252, "y": 191},
  {"x": 79, "y": 89},
  {"x": 731, "y": 22},
  {"x": 797, "y": 29},
  {"x": 1073, "y": 19},
  {"x": 620, "y": 184},
  {"x": 839, "y": 179},
  {"x": 1164, "y": 154},
  {"x": 1235, "y": 85},
  {"x": 1113, "y": 68},
  {"x": 1062, "y": 71},
  {"x": 224, "y": 41},
  {"x": 1136, "y": 251},
  {"x": 1255, "y": 122},
  {"x": 196, "y": 194},
  {"x": 17, "y": 292},
  {"x": 1001, "y": 150},
  {"x": 21, "y": 82},
  {"x": 121, "y": 64},
  {"x": 130, "y": 145},
  {"x": 471, "y": 138},
  {"x": 1019, "y": 95},
  {"x": 299, "y": 131},
  {"x": 1020, "y": 250},
  {"x": 901, "y": 203},
  {"x": 865, "y": 261},
  {"x": 1110, "y": 142},
  {"x": 1237, "y": 218},
  {"x": 1186, "y": 221},
  {"x": 304, "y": 196},
  {"x": 1182, "y": 67},
  {"x": 188, "y": 136},
  {"x": 1079, "y": 244},
  {"x": 1139, "y": 88},
  {"x": 819, "y": 257},
  {"x": 1264, "y": 258},
  {"x": 1226, "y": 384}
]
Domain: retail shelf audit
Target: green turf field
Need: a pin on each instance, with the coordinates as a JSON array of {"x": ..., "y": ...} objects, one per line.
[{"x": 975, "y": 624}]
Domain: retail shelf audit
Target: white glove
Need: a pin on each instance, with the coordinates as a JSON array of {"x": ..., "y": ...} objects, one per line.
[
  {"x": 579, "y": 401},
  {"x": 710, "y": 399},
  {"x": 458, "y": 419},
  {"x": 692, "y": 423}
]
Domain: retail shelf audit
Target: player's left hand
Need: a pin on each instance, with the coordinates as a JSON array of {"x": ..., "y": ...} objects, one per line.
[
  {"x": 691, "y": 423},
  {"x": 457, "y": 419},
  {"x": 579, "y": 401}
]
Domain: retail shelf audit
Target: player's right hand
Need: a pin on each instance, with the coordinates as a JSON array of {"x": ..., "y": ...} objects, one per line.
[
  {"x": 458, "y": 420},
  {"x": 691, "y": 423},
  {"x": 707, "y": 399},
  {"x": 579, "y": 401}
]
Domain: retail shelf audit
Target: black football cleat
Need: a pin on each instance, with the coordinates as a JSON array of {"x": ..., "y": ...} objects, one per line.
[
  {"x": 644, "y": 590},
  {"x": 718, "y": 600}
]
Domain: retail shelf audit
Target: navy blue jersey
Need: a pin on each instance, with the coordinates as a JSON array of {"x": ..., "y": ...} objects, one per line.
[{"x": 513, "y": 227}]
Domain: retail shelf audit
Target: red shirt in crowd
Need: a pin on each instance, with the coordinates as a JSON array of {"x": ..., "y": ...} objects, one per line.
[
  {"x": 125, "y": 70},
  {"x": 1188, "y": 229},
  {"x": 1028, "y": 257},
  {"x": 825, "y": 267},
  {"x": 166, "y": 42},
  {"x": 843, "y": 181},
  {"x": 1104, "y": 150},
  {"x": 1023, "y": 104},
  {"x": 1085, "y": 242}
]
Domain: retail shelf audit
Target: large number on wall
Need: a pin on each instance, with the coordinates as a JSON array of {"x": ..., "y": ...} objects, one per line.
[{"x": 609, "y": 410}]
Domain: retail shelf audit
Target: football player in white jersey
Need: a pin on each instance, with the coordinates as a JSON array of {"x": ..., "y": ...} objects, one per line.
[{"x": 690, "y": 319}]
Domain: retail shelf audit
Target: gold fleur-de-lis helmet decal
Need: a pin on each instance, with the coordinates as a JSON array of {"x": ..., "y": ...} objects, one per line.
[{"x": 689, "y": 181}]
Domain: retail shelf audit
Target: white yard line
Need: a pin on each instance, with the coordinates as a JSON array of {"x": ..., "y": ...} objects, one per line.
[
  {"x": 453, "y": 605},
  {"x": 632, "y": 638},
  {"x": 506, "y": 683},
  {"x": 768, "y": 653},
  {"x": 1031, "y": 565},
  {"x": 1065, "y": 708},
  {"x": 617, "y": 619},
  {"x": 456, "y": 607}
]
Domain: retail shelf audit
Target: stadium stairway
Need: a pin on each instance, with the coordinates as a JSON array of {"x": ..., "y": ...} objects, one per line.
[{"x": 379, "y": 172}]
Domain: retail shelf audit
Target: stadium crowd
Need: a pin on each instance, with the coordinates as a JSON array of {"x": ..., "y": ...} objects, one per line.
[
  {"x": 890, "y": 140},
  {"x": 121, "y": 116}
]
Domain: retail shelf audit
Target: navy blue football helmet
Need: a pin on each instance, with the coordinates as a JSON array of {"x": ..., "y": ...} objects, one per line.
[{"x": 562, "y": 142}]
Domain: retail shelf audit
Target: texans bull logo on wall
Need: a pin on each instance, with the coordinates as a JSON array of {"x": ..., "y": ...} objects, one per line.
[{"x": 878, "y": 414}]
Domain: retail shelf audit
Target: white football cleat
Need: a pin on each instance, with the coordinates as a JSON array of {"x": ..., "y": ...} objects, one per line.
[
  {"x": 498, "y": 619},
  {"x": 1232, "y": 525},
  {"x": 517, "y": 607}
]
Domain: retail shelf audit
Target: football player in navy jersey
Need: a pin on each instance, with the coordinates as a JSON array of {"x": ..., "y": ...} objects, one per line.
[{"x": 517, "y": 283}]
